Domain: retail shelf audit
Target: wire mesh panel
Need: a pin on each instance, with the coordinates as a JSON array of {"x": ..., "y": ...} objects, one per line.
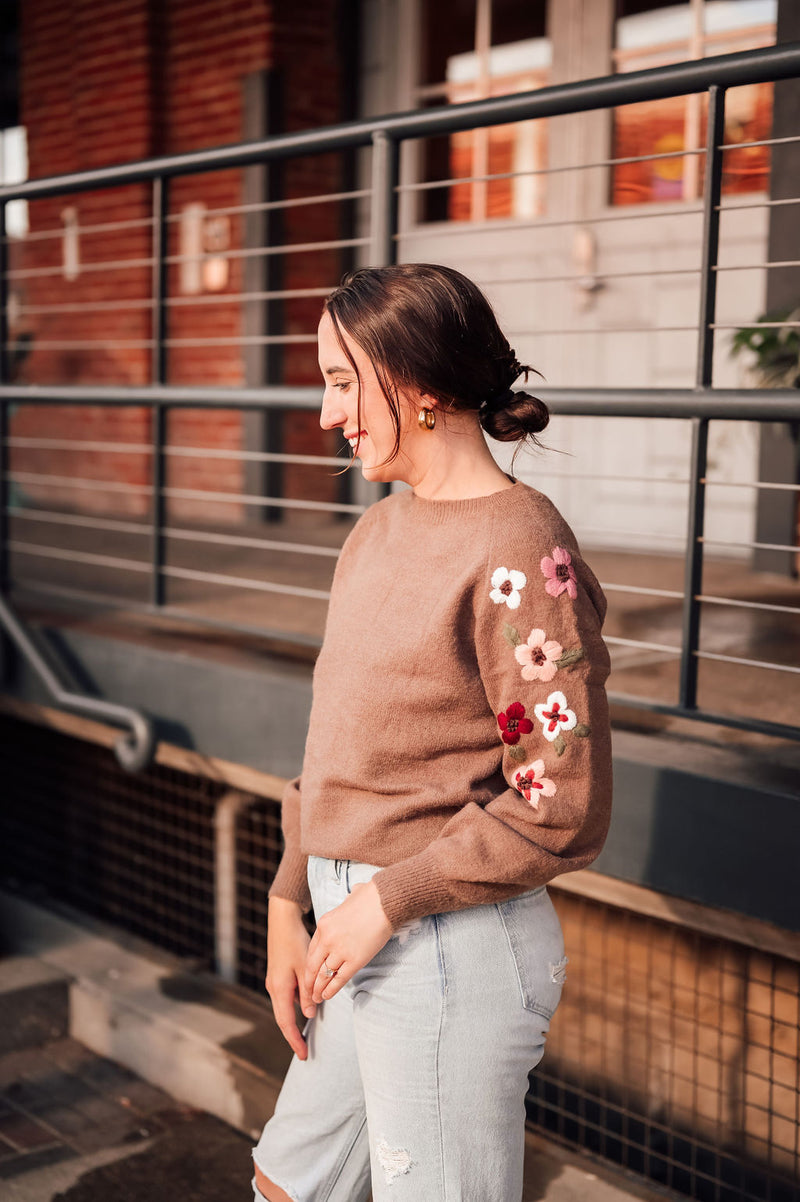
[
  {"x": 136, "y": 850},
  {"x": 259, "y": 846},
  {"x": 675, "y": 1055}
]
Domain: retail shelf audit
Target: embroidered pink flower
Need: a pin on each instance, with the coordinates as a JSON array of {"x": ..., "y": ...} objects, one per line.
[
  {"x": 533, "y": 784},
  {"x": 554, "y": 716},
  {"x": 506, "y": 587},
  {"x": 513, "y": 723},
  {"x": 538, "y": 656},
  {"x": 560, "y": 573}
]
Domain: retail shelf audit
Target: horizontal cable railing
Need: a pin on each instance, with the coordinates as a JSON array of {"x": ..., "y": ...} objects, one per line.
[{"x": 182, "y": 496}]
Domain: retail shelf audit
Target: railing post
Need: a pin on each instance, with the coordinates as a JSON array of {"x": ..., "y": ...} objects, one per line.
[
  {"x": 385, "y": 160},
  {"x": 693, "y": 569},
  {"x": 5, "y": 430},
  {"x": 712, "y": 195},
  {"x": 4, "y": 405},
  {"x": 158, "y": 373},
  {"x": 226, "y": 907}
]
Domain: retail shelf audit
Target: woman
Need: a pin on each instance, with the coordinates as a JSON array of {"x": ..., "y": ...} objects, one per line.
[{"x": 458, "y": 758}]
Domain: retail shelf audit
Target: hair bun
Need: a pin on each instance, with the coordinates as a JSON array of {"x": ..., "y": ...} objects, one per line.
[
  {"x": 498, "y": 400},
  {"x": 511, "y": 415}
]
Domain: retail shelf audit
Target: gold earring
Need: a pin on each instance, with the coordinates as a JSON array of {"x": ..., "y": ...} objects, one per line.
[{"x": 427, "y": 418}]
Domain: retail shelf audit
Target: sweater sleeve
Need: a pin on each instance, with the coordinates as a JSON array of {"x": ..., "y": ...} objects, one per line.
[
  {"x": 290, "y": 880},
  {"x": 538, "y": 612}
]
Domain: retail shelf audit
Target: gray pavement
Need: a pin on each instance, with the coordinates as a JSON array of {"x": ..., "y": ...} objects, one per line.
[{"x": 77, "y": 1127}]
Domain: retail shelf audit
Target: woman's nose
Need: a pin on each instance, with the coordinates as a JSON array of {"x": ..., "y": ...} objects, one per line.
[{"x": 332, "y": 413}]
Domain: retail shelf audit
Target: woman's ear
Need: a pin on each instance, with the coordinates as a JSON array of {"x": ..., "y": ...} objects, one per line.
[{"x": 429, "y": 401}]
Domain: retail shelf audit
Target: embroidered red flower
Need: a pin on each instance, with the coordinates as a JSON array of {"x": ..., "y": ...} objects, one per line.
[
  {"x": 513, "y": 723},
  {"x": 560, "y": 573},
  {"x": 533, "y": 784}
]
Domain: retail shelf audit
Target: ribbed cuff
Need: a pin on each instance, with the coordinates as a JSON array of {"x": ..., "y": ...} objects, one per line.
[
  {"x": 291, "y": 879},
  {"x": 412, "y": 888}
]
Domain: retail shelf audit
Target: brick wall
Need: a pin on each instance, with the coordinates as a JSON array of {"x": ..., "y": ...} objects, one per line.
[{"x": 104, "y": 83}]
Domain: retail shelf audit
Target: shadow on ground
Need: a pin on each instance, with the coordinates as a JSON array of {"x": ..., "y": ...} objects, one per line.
[{"x": 197, "y": 1156}]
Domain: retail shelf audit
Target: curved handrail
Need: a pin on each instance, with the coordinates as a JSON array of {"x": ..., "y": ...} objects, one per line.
[{"x": 134, "y": 749}]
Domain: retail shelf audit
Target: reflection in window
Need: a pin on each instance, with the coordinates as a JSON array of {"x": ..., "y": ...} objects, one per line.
[
  {"x": 651, "y": 34},
  {"x": 473, "y": 49}
]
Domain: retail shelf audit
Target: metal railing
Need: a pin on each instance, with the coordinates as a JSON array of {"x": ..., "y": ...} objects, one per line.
[{"x": 383, "y": 137}]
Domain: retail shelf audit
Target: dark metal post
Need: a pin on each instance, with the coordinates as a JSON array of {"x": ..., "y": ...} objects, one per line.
[
  {"x": 159, "y": 376},
  {"x": 5, "y": 427},
  {"x": 262, "y": 97},
  {"x": 5, "y": 406},
  {"x": 385, "y": 161},
  {"x": 693, "y": 572},
  {"x": 712, "y": 194},
  {"x": 383, "y": 246}
]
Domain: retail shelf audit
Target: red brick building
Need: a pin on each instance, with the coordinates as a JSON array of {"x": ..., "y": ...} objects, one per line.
[{"x": 107, "y": 83}]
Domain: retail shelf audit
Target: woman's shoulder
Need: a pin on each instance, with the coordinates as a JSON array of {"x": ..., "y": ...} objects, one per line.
[
  {"x": 535, "y": 540},
  {"x": 530, "y": 520}
]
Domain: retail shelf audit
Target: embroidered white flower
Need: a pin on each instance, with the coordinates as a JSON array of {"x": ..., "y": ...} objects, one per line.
[
  {"x": 554, "y": 716},
  {"x": 506, "y": 585}
]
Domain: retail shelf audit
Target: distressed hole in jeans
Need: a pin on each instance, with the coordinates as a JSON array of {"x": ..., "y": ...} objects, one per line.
[
  {"x": 394, "y": 1161},
  {"x": 558, "y": 971}
]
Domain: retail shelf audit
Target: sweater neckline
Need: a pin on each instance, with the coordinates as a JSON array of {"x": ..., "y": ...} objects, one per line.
[{"x": 439, "y": 511}]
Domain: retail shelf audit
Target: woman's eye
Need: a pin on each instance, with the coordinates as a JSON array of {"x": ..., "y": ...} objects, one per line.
[{"x": 343, "y": 384}]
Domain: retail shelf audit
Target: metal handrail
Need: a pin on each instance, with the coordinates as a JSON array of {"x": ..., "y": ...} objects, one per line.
[
  {"x": 134, "y": 750},
  {"x": 728, "y": 404}
]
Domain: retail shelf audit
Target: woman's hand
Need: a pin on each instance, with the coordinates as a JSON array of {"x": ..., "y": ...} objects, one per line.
[
  {"x": 346, "y": 939},
  {"x": 287, "y": 944}
]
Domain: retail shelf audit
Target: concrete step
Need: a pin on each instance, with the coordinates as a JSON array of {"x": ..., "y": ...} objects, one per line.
[
  {"x": 34, "y": 1003},
  {"x": 210, "y": 1045}
]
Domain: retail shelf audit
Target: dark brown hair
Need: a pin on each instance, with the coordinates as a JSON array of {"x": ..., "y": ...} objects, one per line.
[{"x": 427, "y": 326}]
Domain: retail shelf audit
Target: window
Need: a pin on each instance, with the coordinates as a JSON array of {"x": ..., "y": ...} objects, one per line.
[
  {"x": 470, "y": 50},
  {"x": 651, "y": 34},
  {"x": 14, "y": 170}
]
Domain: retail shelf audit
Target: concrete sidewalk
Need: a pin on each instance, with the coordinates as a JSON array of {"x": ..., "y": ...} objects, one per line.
[
  {"x": 127, "y": 1075},
  {"x": 76, "y": 1127}
]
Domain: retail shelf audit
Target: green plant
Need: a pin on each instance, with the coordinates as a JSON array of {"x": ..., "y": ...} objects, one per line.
[{"x": 776, "y": 348}]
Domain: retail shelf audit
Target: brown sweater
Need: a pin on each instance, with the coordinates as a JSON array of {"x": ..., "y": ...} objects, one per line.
[{"x": 459, "y": 733}]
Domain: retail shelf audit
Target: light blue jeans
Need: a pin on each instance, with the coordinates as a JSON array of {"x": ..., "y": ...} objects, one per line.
[{"x": 417, "y": 1069}]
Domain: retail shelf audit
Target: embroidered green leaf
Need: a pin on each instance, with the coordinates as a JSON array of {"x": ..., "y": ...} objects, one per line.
[
  {"x": 570, "y": 657},
  {"x": 581, "y": 730},
  {"x": 517, "y": 753},
  {"x": 559, "y": 744},
  {"x": 512, "y": 634}
]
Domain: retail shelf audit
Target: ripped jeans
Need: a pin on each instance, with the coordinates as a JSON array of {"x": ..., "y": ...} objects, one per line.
[{"x": 417, "y": 1069}]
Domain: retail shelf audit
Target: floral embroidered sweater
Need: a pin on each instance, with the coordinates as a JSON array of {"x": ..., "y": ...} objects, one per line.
[{"x": 459, "y": 731}]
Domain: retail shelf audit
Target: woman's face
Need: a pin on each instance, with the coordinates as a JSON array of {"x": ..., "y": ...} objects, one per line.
[{"x": 375, "y": 439}]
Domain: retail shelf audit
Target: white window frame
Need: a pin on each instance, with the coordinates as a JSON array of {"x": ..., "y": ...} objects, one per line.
[{"x": 582, "y": 47}]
